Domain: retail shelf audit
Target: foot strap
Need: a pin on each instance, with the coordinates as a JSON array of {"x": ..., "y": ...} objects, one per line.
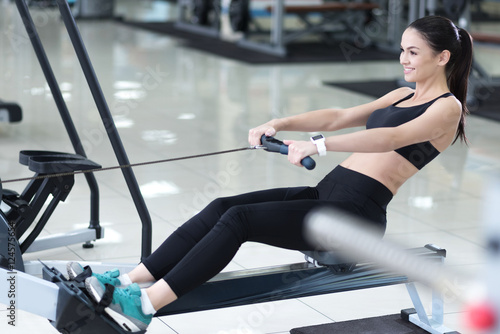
[
  {"x": 86, "y": 273},
  {"x": 106, "y": 299}
]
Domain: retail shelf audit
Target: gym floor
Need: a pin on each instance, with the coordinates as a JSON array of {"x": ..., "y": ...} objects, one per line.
[{"x": 170, "y": 101}]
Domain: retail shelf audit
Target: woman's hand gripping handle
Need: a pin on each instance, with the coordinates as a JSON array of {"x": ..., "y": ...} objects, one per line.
[{"x": 272, "y": 144}]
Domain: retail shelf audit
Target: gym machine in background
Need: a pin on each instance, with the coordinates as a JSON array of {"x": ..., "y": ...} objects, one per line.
[
  {"x": 346, "y": 24},
  {"x": 331, "y": 21},
  {"x": 10, "y": 112},
  {"x": 85, "y": 9},
  {"x": 268, "y": 26},
  {"x": 201, "y": 17},
  {"x": 93, "y": 8}
]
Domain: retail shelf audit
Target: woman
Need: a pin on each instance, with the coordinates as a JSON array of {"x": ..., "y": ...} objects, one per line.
[{"x": 405, "y": 130}]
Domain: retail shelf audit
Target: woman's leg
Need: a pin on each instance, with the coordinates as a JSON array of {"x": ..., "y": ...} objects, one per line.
[
  {"x": 140, "y": 274},
  {"x": 186, "y": 237},
  {"x": 274, "y": 223},
  {"x": 160, "y": 294}
]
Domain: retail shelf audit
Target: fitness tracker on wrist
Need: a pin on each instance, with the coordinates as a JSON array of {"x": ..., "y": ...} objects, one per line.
[{"x": 319, "y": 141}]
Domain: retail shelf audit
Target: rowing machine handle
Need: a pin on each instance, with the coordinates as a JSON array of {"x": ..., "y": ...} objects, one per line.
[{"x": 274, "y": 145}]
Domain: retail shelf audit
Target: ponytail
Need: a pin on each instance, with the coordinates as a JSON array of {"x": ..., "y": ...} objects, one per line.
[
  {"x": 442, "y": 34},
  {"x": 458, "y": 78}
]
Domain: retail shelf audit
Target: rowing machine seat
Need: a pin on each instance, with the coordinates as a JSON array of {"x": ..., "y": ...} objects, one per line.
[{"x": 333, "y": 260}]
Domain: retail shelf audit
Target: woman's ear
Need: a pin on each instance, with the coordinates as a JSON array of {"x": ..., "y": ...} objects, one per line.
[{"x": 444, "y": 57}]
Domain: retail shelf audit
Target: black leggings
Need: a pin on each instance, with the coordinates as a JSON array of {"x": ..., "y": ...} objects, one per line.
[{"x": 205, "y": 244}]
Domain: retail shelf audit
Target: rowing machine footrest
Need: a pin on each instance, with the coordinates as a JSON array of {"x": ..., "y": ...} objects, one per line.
[
  {"x": 333, "y": 260},
  {"x": 49, "y": 162},
  {"x": 76, "y": 313}
]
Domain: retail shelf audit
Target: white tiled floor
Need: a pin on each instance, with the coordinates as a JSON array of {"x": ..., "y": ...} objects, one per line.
[{"x": 170, "y": 101}]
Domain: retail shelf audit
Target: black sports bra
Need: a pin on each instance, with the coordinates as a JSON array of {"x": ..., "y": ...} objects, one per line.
[{"x": 419, "y": 154}]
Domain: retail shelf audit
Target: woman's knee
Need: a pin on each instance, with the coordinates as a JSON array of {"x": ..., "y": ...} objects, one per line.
[
  {"x": 221, "y": 205},
  {"x": 236, "y": 220}
]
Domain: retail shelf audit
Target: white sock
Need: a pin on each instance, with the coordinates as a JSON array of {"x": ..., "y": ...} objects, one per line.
[
  {"x": 125, "y": 280},
  {"x": 147, "y": 307}
]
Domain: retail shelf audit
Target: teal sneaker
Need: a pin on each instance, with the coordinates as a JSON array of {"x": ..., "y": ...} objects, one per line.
[
  {"x": 126, "y": 306},
  {"x": 77, "y": 272}
]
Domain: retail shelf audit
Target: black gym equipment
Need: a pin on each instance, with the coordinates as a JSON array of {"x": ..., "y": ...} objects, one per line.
[
  {"x": 239, "y": 15},
  {"x": 454, "y": 8},
  {"x": 202, "y": 10},
  {"x": 10, "y": 112},
  {"x": 199, "y": 16}
]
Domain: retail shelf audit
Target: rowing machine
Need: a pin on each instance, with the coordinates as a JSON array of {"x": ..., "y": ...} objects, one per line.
[
  {"x": 68, "y": 307},
  {"x": 70, "y": 310}
]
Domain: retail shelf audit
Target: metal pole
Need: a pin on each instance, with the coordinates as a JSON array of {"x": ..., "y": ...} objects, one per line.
[
  {"x": 63, "y": 109},
  {"x": 109, "y": 124},
  {"x": 277, "y": 23}
]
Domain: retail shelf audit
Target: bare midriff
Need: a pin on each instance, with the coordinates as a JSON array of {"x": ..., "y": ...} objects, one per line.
[{"x": 389, "y": 168}]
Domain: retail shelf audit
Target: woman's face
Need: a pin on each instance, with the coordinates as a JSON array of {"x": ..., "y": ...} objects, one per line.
[{"x": 418, "y": 59}]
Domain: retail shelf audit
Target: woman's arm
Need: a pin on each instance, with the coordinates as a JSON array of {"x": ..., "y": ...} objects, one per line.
[
  {"x": 326, "y": 119},
  {"x": 437, "y": 124}
]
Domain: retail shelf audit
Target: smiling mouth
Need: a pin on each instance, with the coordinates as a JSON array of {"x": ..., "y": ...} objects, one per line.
[{"x": 408, "y": 70}]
